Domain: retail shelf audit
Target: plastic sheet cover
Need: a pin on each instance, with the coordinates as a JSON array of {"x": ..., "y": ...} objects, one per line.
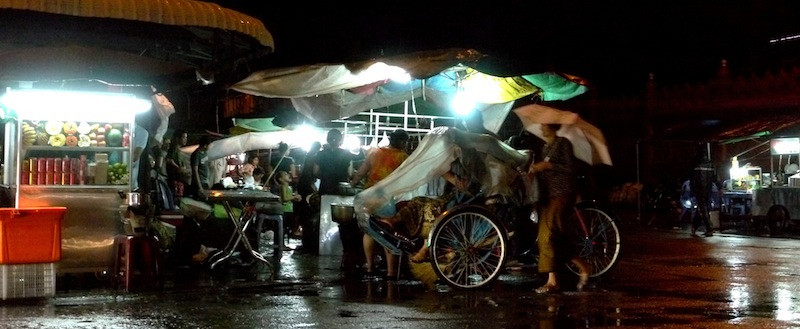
[{"x": 434, "y": 157}]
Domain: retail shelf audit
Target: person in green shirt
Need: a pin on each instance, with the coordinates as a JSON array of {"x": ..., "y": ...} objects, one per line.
[
  {"x": 179, "y": 173},
  {"x": 199, "y": 161}
]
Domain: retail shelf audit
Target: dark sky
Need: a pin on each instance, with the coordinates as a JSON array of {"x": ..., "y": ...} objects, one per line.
[{"x": 615, "y": 46}]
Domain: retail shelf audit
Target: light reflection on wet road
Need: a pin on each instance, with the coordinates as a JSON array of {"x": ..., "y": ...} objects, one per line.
[{"x": 665, "y": 279}]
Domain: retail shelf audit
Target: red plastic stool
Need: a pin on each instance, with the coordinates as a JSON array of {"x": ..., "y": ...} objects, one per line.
[{"x": 139, "y": 257}]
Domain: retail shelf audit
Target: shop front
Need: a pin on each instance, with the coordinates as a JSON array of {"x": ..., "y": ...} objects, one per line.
[{"x": 75, "y": 78}]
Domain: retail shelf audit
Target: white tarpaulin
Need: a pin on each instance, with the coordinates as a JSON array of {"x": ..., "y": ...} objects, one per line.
[
  {"x": 246, "y": 142},
  {"x": 337, "y": 91},
  {"x": 434, "y": 157}
]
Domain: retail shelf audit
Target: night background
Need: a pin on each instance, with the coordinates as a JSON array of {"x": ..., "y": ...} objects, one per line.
[{"x": 613, "y": 45}]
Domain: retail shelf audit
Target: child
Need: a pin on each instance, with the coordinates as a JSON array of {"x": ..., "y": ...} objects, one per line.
[
  {"x": 258, "y": 175},
  {"x": 288, "y": 197}
]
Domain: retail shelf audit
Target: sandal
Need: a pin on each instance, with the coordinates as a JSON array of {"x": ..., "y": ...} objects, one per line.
[
  {"x": 582, "y": 282},
  {"x": 547, "y": 289}
]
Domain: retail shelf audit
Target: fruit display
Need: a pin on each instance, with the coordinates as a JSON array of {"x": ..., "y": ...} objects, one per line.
[
  {"x": 58, "y": 140},
  {"x": 74, "y": 134},
  {"x": 71, "y": 141},
  {"x": 42, "y": 138},
  {"x": 84, "y": 128},
  {"x": 118, "y": 174},
  {"x": 114, "y": 137},
  {"x": 84, "y": 141},
  {"x": 28, "y": 134},
  {"x": 56, "y": 146},
  {"x": 70, "y": 127},
  {"x": 53, "y": 127}
]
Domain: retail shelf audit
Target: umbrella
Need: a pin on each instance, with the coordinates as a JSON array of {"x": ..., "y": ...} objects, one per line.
[{"x": 587, "y": 140}]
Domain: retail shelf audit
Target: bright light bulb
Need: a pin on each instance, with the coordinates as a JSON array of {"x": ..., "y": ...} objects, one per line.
[
  {"x": 381, "y": 71},
  {"x": 352, "y": 143},
  {"x": 40, "y": 104},
  {"x": 307, "y": 135},
  {"x": 463, "y": 104}
]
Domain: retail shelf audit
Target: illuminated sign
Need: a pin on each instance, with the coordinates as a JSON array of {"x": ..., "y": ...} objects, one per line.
[{"x": 780, "y": 146}]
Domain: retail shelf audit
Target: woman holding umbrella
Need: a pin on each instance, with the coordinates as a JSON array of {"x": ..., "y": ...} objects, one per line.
[{"x": 557, "y": 177}]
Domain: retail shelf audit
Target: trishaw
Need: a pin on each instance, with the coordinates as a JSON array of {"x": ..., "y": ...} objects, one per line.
[{"x": 469, "y": 244}]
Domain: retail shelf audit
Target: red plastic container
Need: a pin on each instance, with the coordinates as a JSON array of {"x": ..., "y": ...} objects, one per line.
[{"x": 30, "y": 235}]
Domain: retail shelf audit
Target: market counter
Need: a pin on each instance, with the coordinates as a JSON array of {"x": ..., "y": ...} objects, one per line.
[
  {"x": 92, "y": 220},
  {"x": 786, "y": 196}
]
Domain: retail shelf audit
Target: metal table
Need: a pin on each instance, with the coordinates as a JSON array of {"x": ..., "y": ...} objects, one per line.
[
  {"x": 248, "y": 199},
  {"x": 741, "y": 202}
]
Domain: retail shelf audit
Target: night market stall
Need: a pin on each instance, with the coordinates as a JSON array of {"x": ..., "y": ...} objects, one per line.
[
  {"x": 78, "y": 75},
  {"x": 754, "y": 157}
]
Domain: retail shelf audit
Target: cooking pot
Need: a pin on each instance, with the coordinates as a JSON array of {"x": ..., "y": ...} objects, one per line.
[
  {"x": 133, "y": 199},
  {"x": 342, "y": 213},
  {"x": 347, "y": 189}
]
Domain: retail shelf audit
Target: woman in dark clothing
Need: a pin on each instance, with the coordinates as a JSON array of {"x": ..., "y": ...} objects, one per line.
[
  {"x": 557, "y": 175},
  {"x": 334, "y": 165},
  {"x": 305, "y": 211}
]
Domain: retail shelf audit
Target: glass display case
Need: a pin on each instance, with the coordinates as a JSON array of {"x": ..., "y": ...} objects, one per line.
[{"x": 73, "y": 150}]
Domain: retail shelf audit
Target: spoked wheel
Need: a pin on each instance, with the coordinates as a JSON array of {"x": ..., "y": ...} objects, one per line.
[
  {"x": 468, "y": 247},
  {"x": 597, "y": 239},
  {"x": 777, "y": 219}
]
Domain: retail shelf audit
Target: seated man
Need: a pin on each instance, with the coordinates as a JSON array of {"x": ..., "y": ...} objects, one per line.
[{"x": 415, "y": 218}]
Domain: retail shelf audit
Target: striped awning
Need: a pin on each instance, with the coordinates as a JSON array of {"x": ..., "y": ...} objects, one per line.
[{"x": 167, "y": 12}]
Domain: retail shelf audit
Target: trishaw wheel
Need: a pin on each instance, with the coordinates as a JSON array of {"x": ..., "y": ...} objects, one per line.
[
  {"x": 777, "y": 219},
  {"x": 468, "y": 247},
  {"x": 596, "y": 238}
]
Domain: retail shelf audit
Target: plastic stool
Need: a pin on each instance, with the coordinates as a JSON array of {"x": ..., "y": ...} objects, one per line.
[
  {"x": 277, "y": 243},
  {"x": 137, "y": 256}
]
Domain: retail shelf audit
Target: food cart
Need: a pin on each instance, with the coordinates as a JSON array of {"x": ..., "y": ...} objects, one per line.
[
  {"x": 779, "y": 203},
  {"x": 73, "y": 149}
]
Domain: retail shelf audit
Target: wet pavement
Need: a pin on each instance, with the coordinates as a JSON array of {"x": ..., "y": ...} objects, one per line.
[{"x": 665, "y": 278}]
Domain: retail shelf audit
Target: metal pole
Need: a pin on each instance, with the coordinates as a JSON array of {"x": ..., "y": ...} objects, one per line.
[{"x": 638, "y": 183}]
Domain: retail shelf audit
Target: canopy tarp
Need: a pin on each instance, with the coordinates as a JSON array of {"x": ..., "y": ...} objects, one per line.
[
  {"x": 730, "y": 129},
  {"x": 173, "y": 12},
  {"x": 325, "y": 92},
  {"x": 246, "y": 142},
  {"x": 249, "y": 125},
  {"x": 133, "y": 43}
]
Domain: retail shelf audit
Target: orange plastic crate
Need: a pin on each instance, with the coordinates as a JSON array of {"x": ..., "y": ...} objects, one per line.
[{"x": 30, "y": 235}]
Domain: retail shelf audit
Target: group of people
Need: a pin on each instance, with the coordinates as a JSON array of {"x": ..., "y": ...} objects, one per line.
[
  {"x": 187, "y": 176},
  {"x": 333, "y": 165},
  {"x": 557, "y": 172}
]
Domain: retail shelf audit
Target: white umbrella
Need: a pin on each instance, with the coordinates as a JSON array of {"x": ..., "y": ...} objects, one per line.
[{"x": 588, "y": 141}]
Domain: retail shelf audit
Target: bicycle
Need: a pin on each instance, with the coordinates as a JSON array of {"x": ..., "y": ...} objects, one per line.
[{"x": 469, "y": 244}]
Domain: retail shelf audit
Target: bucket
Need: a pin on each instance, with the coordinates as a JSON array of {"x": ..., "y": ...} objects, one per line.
[
  {"x": 342, "y": 213},
  {"x": 713, "y": 218}
]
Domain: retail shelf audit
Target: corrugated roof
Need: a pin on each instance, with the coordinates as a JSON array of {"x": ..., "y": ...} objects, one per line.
[{"x": 167, "y": 12}]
